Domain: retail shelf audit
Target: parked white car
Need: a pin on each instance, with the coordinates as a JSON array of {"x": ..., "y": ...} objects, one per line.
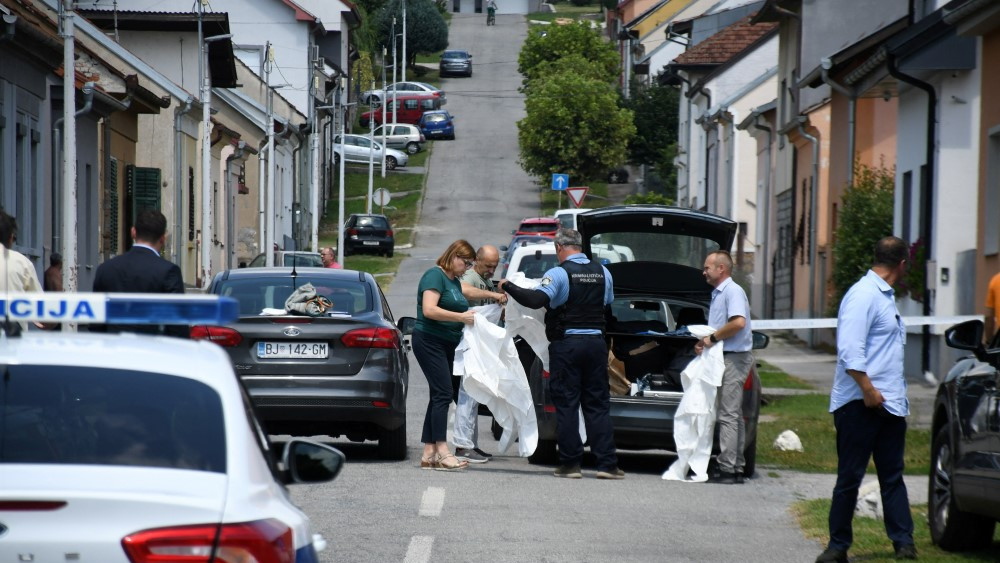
[
  {"x": 369, "y": 96},
  {"x": 567, "y": 217},
  {"x": 400, "y": 136},
  {"x": 532, "y": 260},
  {"x": 359, "y": 149},
  {"x": 121, "y": 448}
]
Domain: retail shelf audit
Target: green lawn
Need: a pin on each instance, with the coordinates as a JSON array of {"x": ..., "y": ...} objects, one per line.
[
  {"x": 771, "y": 376},
  {"x": 870, "y": 541},
  {"x": 808, "y": 416}
]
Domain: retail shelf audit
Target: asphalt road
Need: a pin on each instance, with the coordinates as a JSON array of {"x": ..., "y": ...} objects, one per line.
[{"x": 508, "y": 510}]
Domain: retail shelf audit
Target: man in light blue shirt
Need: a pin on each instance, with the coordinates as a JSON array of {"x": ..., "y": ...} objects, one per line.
[
  {"x": 869, "y": 404},
  {"x": 729, "y": 315}
]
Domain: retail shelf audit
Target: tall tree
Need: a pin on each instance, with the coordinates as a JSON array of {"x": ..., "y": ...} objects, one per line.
[
  {"x": 426, "y": 30},
  {"x": 559, "y": 41},
  {"x": 574, "y": 125}
]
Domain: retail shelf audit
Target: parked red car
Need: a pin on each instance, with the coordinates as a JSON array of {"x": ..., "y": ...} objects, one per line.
[
  {"x": 541, "y": 226},
  {"x": 409, "y": 108}
]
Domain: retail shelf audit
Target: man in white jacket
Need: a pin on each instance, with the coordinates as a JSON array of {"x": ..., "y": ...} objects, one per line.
[{"x": 729, "y": 315}]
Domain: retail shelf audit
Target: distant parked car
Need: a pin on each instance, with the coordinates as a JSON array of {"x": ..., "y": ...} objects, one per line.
[
  {"x": 408, "y": 109},
  {"x": 567, "y": 217},
  {"x": 359, "y": 149},
  {"x": 401, "y": 137},
  {"x": 618, "y": 176},
  {"x": 370, "y": 96},
  {"x": 515, "y": 242},
  {"x": 368, "y": 233},
  {"x": 542, "y": 226},
  {"x": 532, "y": 260},
  {"x": 437, "y": 124},
  {"x": 289, "y": 258},
  {"x": 455, "y": 61}
]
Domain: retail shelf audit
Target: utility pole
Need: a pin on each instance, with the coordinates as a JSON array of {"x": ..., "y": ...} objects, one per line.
[
  {"x": 314, "y": 146},
  {"x": 394, "y": 66},
  {"x": 371, "y": 152},
  {"x": 269, "y": 214},
  {"x": 69, "y": 152},
  {"x": 206, "y": 156},
  {"x": 403, "y": 71},
  {"x": 384, "y": 103}
]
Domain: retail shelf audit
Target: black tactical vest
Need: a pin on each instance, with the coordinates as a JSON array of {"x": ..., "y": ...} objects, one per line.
[{"x": 585, "y": 306}]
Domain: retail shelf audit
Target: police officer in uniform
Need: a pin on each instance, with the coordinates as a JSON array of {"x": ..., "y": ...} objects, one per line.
[{"x": 575, "y": 294}]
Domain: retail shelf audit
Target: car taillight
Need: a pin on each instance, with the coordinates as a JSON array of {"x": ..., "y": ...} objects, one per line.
[
  {"x": 352, "y": 232},
  {"x": 545, "y": 374},
  {"x": 388, "y": 233},
  {"x": 371, "y": 338},
  {"x": 261, "y": 541},
  {"x": 422, "y": 138},
  {"x": 748, "y": 384},
  {"x": 221, "y": 335}
]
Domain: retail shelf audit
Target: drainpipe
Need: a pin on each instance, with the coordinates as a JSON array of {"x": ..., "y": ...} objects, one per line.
[
  {"x": 812, "y": 221},
  {"x": 230, "y": 204},
  {"x": 926, "y": 230},
  {"x": 704, "y": 153},
  {"x": 768, "y": 304},
  {"x": 262, "y": 166},
  {"x": 179, "y": 181},
  {"x": 57, "y": 181},
  {"x": 852, "y": 111}
]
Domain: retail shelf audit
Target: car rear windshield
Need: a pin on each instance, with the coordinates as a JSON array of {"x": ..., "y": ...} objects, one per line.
[
  {"x": 435, "y": 117},
  {"x": 539, "y": 227},
  {"x": 373, "y": 222},
  {"x": 255, "y": 294},
  {"x": 652, "y": 247},
  {"x": 98, "y": 416},
  {"x": 305, "y": 260},
  {"x": 454, "y": 55},
  {"x": 535, "y": 265}
]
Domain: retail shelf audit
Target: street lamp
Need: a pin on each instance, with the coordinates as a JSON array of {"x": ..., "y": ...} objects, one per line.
[
  {"x": 268, "y": 242},
  {"x": 206, "y": 147}
]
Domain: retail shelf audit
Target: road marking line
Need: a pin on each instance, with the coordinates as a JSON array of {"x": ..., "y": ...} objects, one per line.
[
  {"x": 432, "y": 502},
  {"x": 419, "y": 550}
]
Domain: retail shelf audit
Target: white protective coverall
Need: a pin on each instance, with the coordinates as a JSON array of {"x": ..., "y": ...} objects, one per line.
[
  {"x": 492, "y": 375},
  {"x": 694, "y": 421}
]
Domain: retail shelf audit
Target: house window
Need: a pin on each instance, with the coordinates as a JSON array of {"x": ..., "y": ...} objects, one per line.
[{"x": 991, "y": 222}]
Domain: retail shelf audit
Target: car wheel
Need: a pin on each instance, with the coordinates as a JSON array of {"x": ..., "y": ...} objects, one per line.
[
  {"x": 390, "y": 163},
  {"x": 392, "y": 443},
  {"x": 750, "y": 459},
  {"x": 413, "y": 147},
  {"x": 951, "y": 529},
  {"x": 389, "y": 254},
  {"x": 545, "y": 453}
]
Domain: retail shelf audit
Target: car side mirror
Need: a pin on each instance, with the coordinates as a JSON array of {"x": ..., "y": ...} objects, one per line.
[
  {"x": 306, "y": 461},
  {"x": 760, "y": 340},
  {"x": 406, "y": 325},
  {"x": 965, "y": 336},
  {"x": 502, "y": 248}
]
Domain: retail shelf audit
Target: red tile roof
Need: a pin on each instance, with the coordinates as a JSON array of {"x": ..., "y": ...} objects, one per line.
[{"x": 725, "y": 44}]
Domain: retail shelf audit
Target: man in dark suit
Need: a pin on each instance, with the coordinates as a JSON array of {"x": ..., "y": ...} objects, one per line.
[{"x": 142, "y": 270}]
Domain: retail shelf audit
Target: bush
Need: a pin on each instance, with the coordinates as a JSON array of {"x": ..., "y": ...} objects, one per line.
[
  {"x": 648, "y": 198},
  {"x": 865, "y": 217}
]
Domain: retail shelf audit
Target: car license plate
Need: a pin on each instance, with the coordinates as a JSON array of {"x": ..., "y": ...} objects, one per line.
[
  {"x": 370, "y": 243},
  {"x": 294, "y": 350}
]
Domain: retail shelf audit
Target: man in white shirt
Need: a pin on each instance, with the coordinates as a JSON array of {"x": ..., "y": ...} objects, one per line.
[{"x": 17, "y": 273}]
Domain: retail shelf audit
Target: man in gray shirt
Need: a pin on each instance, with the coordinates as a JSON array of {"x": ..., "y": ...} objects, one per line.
[
  {"x": 729, "y": 315},
  {"x": 478, "y": 289}
]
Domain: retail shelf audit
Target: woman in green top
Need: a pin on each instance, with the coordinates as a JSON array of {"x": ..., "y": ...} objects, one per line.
[{"x": 442, "y": 311}]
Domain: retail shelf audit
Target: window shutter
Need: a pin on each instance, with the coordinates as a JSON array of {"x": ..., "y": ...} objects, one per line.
[
  {"x": 113, "y": 206},
  {"x": 142, "y": 190}
]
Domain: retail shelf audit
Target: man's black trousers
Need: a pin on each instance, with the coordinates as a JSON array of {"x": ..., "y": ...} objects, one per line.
[{"x": 578, "y": 368}]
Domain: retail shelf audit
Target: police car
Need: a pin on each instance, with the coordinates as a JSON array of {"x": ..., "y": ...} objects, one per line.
[{"x": 137, "y": 448}]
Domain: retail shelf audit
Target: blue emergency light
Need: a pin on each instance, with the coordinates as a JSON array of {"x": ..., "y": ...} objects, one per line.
[{"x": 119, "y": 308}]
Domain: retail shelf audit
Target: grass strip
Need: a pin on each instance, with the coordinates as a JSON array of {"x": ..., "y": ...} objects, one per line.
[
  {"x": 808, "y": 417},
  {"x": 870, "y": 541},
  {"x": 772, "y": 376}
]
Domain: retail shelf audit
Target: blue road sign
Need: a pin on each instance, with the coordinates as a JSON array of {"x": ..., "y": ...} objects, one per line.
[{"x": 560, "y": 181}]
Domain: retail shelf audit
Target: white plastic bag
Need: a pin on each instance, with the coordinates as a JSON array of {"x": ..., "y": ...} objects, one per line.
[{"x": 694, "y": 421}]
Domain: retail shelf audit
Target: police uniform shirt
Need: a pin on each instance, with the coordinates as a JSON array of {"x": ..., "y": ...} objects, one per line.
[{"x": 555, "y": 284}]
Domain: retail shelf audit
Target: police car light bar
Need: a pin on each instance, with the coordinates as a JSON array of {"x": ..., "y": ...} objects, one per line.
[{"x": 118, "y": 308}]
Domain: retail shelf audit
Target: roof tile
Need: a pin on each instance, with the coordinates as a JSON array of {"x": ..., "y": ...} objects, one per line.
[{"x": 725, "y": 44}]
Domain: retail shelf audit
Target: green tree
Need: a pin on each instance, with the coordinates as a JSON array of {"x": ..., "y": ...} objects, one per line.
[
  {"x": 575, "y": 64},
  {"x": 865, "y": 217},
  {"x": 656, "y": 110},
  {"x": 426, "y": 30},
  {"x": 546, "y": 44},
  {"x": 573, "y": 125},
  {"x": 652, "y": 198}
]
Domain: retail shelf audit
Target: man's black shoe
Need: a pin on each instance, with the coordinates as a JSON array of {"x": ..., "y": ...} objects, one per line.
[
  {"x": 481, "y": 452},
  {"x": 906, "y": 551},
  {"x": 568, "y": 472},
  {"x": 739, "y": 478},
  {"x": 723, "y": 478},
  {"x": 832, "y": 555}
]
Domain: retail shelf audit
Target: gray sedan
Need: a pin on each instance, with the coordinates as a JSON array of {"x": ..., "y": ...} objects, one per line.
[
  {"x": 341, "y": 372},
  {"x": 401, "y": 136},
  {"x": 359, "y": 149}
]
